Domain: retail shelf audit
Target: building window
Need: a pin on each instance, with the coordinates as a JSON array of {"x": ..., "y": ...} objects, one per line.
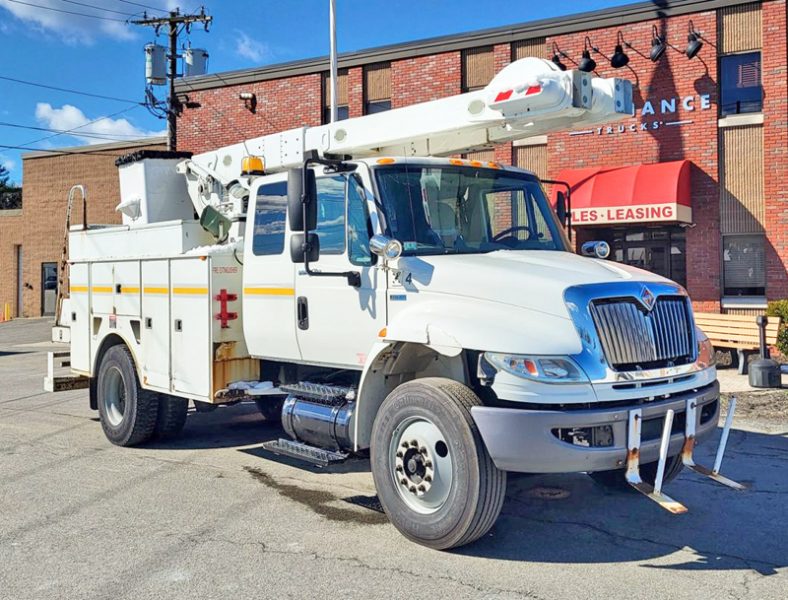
[
  {"x": 342, "y": 101},
  {"x": 377, "y": 88},
  {"x": 740, "y": 84},
  {"x": 478, "y": 68},
  {"x": 744, "y": 265},
  {"x": 269, "y": 219}
]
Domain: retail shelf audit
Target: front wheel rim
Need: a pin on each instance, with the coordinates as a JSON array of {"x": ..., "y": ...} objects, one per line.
[
  {"x": 114, "y": 396},
  {"x": 421, "y": 465}
]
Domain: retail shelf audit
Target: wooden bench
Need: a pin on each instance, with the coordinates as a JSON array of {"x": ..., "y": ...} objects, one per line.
[{"x": 737, "y": 331}]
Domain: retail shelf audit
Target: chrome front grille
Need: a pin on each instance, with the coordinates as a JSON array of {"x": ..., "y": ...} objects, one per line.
[{"x": 633, "y": 337}]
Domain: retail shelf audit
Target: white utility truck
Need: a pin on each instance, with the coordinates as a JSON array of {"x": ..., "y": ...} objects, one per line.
[{"x": 375, "y": 298}]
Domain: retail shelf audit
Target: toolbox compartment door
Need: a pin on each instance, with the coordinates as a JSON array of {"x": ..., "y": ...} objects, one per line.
[
  {"x": 190, "y": 327},
  {"x": 156, "y": 324},
  {"x": 79, "y": 282}
]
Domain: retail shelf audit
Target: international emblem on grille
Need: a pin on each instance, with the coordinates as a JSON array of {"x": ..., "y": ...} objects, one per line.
[{"x": 648, "y": 298}]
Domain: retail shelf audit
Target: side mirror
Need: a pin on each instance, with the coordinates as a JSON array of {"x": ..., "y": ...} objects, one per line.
[
  {"x": 385, "y": 247},
  {"x": 560, "y": 207},
  {"x": 296, "y": 178},
  {"x": 595, "y": 249},
  {"x": 304, "y": 247}
]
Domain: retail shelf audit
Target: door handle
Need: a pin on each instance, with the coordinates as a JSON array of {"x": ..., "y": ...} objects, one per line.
[{"x": 303, "y": 313}]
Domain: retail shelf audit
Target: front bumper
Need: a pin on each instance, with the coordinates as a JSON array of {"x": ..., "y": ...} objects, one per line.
[{"x": 524, "y": 440}]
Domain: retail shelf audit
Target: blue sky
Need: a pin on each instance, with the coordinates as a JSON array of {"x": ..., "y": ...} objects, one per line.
[{"x": 106, "y": 56}]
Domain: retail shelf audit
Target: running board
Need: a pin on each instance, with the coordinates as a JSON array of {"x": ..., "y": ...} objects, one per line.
[
  {"x": 689, "y": 446},
  {"x": 311, "y": 454}
]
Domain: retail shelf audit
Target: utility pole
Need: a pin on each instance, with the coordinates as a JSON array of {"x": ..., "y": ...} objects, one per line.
[
  {"x": 175, "y": 23},
  {"x": 332, "y": 26}
]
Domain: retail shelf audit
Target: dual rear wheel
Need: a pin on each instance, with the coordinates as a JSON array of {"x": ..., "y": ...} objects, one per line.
[{"x": 129, "y": 414}]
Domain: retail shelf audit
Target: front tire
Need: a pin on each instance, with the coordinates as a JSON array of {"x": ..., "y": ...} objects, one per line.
[
  {"x": 127, "y": 412},
  {"x": 434, "y": 477}
]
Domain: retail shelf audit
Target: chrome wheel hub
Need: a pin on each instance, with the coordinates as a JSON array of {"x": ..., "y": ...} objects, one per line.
[
  {"x": 421, "y": 465},
  {"x": 114, "y": 396}
]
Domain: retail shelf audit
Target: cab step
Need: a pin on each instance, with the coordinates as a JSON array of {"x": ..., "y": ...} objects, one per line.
[{"x": 311, "y": 454}]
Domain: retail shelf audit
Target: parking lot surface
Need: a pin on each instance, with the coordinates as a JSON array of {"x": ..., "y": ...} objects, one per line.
[{"x": 210, "y": 516}]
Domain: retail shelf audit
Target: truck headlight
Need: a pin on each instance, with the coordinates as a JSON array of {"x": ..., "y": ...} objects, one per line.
[
  {"x": 706, "y": 355},
  {"x": 546, "y": 369}
]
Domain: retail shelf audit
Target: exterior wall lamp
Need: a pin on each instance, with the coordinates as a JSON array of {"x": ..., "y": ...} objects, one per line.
[
  {"x": 658, "y": 45},
  {"x": 694, "y": 42},
  {"x": 557, "y": 56},
  {"x": 587, "y": 64},
  {"x": 250, "y": 101},
  {"x": 619, "y": 59}
]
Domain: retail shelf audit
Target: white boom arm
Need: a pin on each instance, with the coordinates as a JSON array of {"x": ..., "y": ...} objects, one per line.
[{"x": 529, "y": 97}]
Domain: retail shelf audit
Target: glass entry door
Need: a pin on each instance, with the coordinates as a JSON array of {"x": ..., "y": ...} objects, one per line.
[
  {"x": 661, "y": 250},
  {"x": 48, "y": 288}
]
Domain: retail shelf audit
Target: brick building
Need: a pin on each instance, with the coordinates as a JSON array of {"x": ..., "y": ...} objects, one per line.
[
  {"x": 31, "y": 238},
  {"x": 712, "y": 130},
  {"x": 710, "y": 133}
]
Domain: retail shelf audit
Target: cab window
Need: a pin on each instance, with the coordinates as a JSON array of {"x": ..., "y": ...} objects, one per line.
[
  {"x": 269, "y": 219},
  {"x": 331, "y": 214}
]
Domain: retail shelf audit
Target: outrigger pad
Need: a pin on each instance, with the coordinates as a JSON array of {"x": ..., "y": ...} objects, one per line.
[
  {"x": 689, "y": 446},
  {"x": 633, "y": 463}
]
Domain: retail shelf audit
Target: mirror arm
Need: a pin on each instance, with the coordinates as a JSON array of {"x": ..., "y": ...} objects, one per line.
[
  {"x": 568, "y": 203},
  {"x": 353, "y": 277}
]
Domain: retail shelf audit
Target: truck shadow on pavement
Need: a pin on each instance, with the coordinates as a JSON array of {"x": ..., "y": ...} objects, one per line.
[{"x": 571, "y": 519}]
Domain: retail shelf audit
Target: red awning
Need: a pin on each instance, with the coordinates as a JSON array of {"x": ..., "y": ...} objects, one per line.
[{"x": 637, "y": 194}]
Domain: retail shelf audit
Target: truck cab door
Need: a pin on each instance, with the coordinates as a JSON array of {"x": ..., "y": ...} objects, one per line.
[
  {"x": 337, "y": 324},
  {"x": 269, "y": 306}
]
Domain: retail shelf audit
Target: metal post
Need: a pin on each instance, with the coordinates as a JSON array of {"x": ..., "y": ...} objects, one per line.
[
  {"x": 724, "y": 437},
  {"x": 172, "y": 121},
  {"x": 762, "y": 322},
  {"x": 332, "y": 25},
  {"x": 663, "y": 451}
]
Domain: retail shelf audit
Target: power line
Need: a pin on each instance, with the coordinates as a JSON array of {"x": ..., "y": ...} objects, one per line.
[
  {"x": 52, "y": 151},
  {"x": 67, "y": 131},
  {"x": 69, "y": 91},
  {"x": 68, "y": 12},
  {"x": 109, "y": 10},
  {"x": 112, "y": 137},
  {"x": 142, "y": 5}
]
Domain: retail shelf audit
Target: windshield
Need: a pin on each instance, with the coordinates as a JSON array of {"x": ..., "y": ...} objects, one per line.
[{"x": 464, "y": 210}]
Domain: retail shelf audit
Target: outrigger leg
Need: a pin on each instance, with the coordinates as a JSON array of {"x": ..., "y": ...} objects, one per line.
[
  {"x": 689, "y": 446},
  {"x": 633, "y": 462}
]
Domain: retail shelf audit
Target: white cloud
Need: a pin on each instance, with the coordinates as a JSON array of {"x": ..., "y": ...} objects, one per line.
[
  {"x": 250, "y": 48},
  {"x": 69, "y": 117},
  {"x": 8, "y": 163},
  {"x": 79, "y": 29}
]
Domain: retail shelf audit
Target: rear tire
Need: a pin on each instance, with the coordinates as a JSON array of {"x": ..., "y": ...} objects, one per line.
[
  {"x": 171, "y": 416},
  {"x": 434, "y": 477},
  {"x": 127, "y": 412},
  {"x": 615, "y": 479}
]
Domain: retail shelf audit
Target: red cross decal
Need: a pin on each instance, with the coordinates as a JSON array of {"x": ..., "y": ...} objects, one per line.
[{"x": 224, "y": 315}]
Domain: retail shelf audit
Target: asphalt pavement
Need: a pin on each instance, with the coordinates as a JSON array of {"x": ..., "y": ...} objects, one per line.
[{"x": 209, "y": 515}]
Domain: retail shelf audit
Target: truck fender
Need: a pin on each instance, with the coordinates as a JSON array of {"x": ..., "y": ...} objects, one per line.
[{"x": 391, "y": 363}]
